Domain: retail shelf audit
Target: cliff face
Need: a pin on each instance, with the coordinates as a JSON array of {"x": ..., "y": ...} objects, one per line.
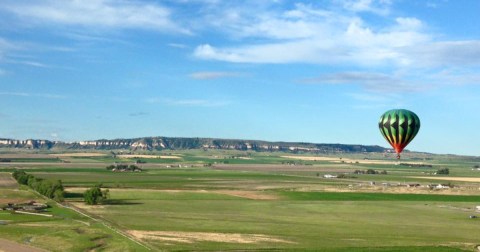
[{"x": 176, "y": 143}]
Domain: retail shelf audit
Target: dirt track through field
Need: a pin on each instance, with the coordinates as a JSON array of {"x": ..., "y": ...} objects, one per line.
[{"x": 10, "y": 246}]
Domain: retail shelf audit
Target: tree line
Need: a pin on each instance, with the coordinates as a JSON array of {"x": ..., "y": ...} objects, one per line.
[{"x": 49, "y": 188}]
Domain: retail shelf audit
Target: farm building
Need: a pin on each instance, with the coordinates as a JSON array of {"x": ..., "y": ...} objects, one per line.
[{"x": 329, "y": 176}]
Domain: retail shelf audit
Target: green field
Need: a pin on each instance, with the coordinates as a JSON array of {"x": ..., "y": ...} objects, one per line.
[{"x": 263, "y": 203}]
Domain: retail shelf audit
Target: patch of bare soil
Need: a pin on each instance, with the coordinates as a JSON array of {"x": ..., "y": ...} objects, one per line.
[
  {"x": 394, "y": 190},
  {"x": 192, "y": 237},
  {"x": 80, "y": 154},
  {"x": 465, "y": 179},
  {"x": 24, "y": 155},
  {"x": 256, "y": 195},
  {"x": 12, "y": 200},
  {"x": 10, "y": 246},
  {"x": 42, "y": 224},
  {"x": 76, "y": 189},
  {"x": 147, "y": 156},
  {"x": 7, "y": 181},
  {"x": 84, "y": 206}
]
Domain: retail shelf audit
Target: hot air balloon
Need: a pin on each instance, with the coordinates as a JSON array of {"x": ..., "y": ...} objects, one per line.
[{"x": 399, "y": 127}]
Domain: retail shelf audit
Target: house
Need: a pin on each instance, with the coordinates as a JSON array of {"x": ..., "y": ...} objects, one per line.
[{"x": 329, "y": 176}]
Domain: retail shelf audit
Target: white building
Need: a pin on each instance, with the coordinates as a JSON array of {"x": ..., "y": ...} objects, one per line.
[{"x": 329, "y": 176}]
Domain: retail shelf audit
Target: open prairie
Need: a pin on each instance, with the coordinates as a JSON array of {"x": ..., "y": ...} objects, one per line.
[{"x": 216, "y": 201}]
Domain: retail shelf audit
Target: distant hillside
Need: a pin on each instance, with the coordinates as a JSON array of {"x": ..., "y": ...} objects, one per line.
[{"x": 177, "y": 143}]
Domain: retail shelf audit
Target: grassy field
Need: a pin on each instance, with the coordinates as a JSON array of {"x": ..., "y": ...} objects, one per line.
[{"x": 232, "y": 200}]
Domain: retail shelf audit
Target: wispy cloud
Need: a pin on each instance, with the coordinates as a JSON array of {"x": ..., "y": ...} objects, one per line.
[
  {"x": 367, "y": 100},
  {"x": 376, "y": 82},
  {"x": 6, "y": 47},
  {"x": 381, "y": 7},
  {"x": 137, "y": 114},
  {"x": 212, "y": 75},
  {"x": 189, "y": 102},
  {"x": 444, "y": 53},
  {"x": 29, "y": 63},
  {"x": 39, "y": 95},
  {"x": 95, "y": 14},
  {"x": 177, "y": 45}
]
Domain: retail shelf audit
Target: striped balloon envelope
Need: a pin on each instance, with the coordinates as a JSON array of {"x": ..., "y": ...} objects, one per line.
[{"x": 399, "y": 127}]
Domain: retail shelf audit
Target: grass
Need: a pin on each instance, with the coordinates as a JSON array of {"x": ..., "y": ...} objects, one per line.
[
  {"x": 308, "y": 224},
  {"x": 302, "y": 210}
]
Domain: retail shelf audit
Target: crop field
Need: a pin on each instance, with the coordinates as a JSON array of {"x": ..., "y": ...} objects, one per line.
[{"x": 247, "y": 201}]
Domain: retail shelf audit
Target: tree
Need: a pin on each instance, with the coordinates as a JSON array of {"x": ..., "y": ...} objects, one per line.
[
  {"x": 445, "y": 171},
  {"x": 95, "y": 195}
]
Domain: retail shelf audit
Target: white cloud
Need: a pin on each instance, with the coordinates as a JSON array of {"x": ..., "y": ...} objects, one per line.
[
  {"x": 95, "y": 14},
  {"x": 212, "y": 75},
  {"x": 330, "y": 36},
  {"x": 316, "y": 35}
]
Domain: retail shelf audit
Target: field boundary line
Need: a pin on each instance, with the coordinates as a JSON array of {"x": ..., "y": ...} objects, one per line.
[{"x": 104, "y": 223}]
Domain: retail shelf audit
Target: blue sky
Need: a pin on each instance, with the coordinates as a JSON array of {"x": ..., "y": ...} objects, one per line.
[{"x": 315, "y": 71}]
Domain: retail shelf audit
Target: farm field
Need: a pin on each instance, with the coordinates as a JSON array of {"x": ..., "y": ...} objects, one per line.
[{"x": 233, "y": 200}]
